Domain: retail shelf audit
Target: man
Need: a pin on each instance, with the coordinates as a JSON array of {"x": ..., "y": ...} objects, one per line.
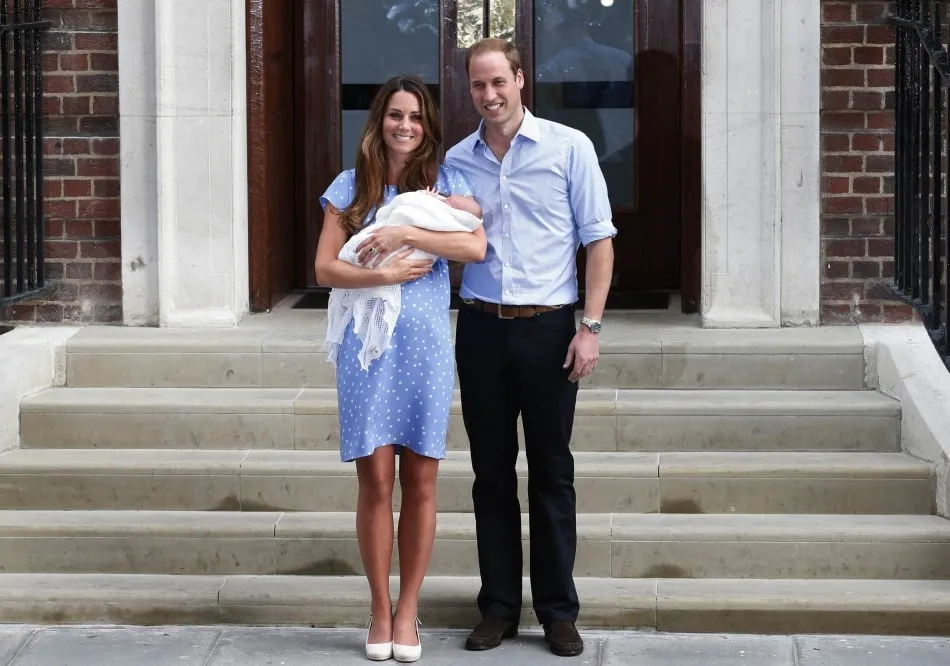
[{"x": 518, "y": 349}]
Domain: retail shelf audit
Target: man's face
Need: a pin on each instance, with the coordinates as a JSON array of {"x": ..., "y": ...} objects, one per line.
[{"x": 496, "y": 91}]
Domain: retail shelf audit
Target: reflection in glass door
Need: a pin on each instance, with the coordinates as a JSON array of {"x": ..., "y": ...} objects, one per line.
[
  {"x": 583, "y": 78},
  {"x": 379, "y": 40},
  {"x": 586, "y": 62}
]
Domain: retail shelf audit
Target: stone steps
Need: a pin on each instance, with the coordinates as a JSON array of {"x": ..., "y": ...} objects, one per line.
[
  {"x": 915, "y": 607},
  {"x": 633, "y": 355},
  {"x": 609, "y": 545},
  {"x": 276, "y": 480},
  {"x": 726, "y": 480},
  {"x": 607, "y": 420}
]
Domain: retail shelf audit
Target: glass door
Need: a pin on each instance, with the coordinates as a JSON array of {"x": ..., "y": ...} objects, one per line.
[{"x": 609, "y": 68}]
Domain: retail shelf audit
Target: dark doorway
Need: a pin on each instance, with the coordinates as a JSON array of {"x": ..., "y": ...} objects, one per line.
[{"x": 624, "y": 72}]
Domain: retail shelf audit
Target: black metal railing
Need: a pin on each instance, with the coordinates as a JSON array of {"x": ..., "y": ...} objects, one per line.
[
  {"x": 21, "y": 150},
  {"x": 922, "y": 143}
]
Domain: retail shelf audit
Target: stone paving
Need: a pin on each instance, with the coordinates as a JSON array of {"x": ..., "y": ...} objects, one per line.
[{"x": 249, "y": 646}]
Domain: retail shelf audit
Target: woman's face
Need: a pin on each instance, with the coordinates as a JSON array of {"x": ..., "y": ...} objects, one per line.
[{"x": 403, "y": 131}]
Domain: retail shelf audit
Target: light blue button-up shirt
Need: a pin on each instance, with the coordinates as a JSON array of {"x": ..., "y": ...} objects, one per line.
[{"x": 545, "y": 198}]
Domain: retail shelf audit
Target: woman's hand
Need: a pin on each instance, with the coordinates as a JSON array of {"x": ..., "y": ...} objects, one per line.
[
  {"x": 401, "y": 269},
  {"x": 381, "y": 242}
]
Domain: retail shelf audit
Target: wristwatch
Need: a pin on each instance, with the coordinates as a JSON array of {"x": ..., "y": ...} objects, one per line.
[{"x": 592, "y": 324}]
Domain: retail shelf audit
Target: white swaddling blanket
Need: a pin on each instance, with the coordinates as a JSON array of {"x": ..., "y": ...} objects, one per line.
[{"x": 375, "y": 310}]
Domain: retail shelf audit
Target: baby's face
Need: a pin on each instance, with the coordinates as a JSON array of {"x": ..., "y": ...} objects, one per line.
[{"x": 454, "y": 201}]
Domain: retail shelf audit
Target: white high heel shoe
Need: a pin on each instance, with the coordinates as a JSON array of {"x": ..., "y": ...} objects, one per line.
[
  {"x": 407, "y": 654},
  {"x": 377, "y": 651}
]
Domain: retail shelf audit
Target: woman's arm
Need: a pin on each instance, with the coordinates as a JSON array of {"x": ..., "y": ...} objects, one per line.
[
  {"x": 464, "y": 246},
  {"x": 461, "y": 246},
  {"x": 332, "y": 272}
]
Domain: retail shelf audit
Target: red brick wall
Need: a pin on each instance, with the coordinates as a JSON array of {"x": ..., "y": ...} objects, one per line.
[
  {"x": 81, "y": 129},
  {"x": 857, "y": 135}
]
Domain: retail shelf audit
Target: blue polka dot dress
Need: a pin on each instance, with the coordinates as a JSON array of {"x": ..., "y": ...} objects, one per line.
[{"x": 405, "y": 397}]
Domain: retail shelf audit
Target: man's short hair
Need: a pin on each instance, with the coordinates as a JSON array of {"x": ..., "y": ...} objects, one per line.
[{"x": 494, "y": 45}]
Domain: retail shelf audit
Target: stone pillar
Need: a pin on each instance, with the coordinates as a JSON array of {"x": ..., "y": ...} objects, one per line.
[
  {"x": 184, "y": 221},
  {"x": 761, "y": 104},
  {"x": 202, "y": 162},
  {"x": 137, "y": 122}
]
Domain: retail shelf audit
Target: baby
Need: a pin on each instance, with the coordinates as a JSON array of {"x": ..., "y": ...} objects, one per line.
[
  {"x": 415, "y": 209},
  {"x": 376, "y": 309},
  {"x": 458, "y": 202}
]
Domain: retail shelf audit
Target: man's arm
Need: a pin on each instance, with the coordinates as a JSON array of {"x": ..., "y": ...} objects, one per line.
[
  {"x": 590, "y": 204},
  {"x": 600, "y": 268}
]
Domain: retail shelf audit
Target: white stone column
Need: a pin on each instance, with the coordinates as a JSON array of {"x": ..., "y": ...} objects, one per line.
[
  {"x": 183, "y": 136},
  {"x": 201, "y": 162},
  {"x": 137, "y": 120},
  {"x": 761, "y": 103}
]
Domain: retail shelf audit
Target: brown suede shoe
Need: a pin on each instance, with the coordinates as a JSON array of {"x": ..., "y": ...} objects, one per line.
[
  {"x": 563, "y": 638},
  {"x": 489, "y": 632}
]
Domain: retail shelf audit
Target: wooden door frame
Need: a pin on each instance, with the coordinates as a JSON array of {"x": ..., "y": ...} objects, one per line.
[
  {"x": 691, "y": 163},
  {"x": 258, "y": 221},
  {"x": 318, "y": 124},
  {"x": 320, "y": 120}
]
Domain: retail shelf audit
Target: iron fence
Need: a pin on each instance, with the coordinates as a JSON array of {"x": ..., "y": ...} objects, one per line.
[
  {"x": 21, "y": 150},
  {"x": 922, "y": 143}
]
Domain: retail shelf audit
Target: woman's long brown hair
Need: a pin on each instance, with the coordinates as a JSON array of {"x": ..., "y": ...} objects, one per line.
[{"x": 372, "y": 170}]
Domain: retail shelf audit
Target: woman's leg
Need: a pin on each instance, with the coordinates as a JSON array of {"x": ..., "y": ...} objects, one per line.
[
  {"x": 417, "y": 476},
  {"x": 374, "y": 532}
]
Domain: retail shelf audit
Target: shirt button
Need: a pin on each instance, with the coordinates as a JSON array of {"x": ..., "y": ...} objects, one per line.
[
  {"x": 507, "y": 265},
  {"x": 507, "y": 236},
  {"x": 505, "y": 178},
  {"x": 506, "y": 206}
]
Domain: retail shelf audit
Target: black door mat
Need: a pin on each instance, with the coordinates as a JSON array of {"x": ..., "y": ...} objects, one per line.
[
  {"x": 316, "y": 299},
  {"x": 637, "y": 300}
]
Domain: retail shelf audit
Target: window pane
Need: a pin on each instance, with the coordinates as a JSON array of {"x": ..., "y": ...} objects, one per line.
[
  {"x": 503, "y": 18},
  {"x": 381, "y": 39},
  {"x": 584, "y": 54},
  {"x": 470, "y": 15}
]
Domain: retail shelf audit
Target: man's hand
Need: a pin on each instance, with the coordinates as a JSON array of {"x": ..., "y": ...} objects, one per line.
[{"x": 582, "y": 354}]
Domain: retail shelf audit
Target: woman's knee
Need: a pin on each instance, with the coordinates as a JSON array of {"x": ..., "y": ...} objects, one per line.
[
  {"x": 417, "y": 477},
  {"x": 375, "y": 475}
]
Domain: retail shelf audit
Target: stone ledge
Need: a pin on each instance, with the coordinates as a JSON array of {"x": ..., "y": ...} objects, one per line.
[
  {"x": 614, "y": 527},
  {"x": 764, "y": 606},
  {"x": 457, "y": 464},
  {"x": 31, "y": 360},
  {"x": 903, "y": 363},
  {"x": 666, "y": 402},
  {"x": 606, "y": 482}
]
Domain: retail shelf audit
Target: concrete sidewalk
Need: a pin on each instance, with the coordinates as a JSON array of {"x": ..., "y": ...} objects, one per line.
[{"x": 247, "y": 646}]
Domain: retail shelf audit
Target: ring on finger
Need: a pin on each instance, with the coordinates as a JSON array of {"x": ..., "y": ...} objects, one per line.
[{"x": 373, "y": 250}]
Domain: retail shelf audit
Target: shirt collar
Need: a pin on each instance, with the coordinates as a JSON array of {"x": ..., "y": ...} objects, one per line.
[{"x": 529, "y": 129}]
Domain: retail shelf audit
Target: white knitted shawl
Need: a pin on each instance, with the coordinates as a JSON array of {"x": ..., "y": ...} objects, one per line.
[{"x": 375, "y": 310}]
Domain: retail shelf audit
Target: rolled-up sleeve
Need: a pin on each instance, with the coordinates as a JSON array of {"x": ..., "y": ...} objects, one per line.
[{"x": 588, "y": 194}]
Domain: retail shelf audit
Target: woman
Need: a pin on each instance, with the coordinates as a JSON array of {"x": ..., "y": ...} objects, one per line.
[{"x": 401, "y": 404}]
